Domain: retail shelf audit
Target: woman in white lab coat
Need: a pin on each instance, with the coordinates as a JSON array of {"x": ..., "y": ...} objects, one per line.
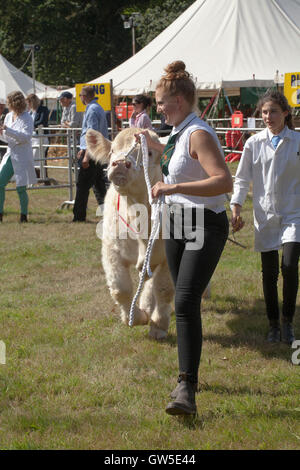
[
  {"x": 18, "y": 161},
  {"x": 271, "y": 161}
]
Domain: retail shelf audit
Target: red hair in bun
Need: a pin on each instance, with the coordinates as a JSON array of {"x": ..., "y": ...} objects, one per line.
[{"x": 178, "y": 81}]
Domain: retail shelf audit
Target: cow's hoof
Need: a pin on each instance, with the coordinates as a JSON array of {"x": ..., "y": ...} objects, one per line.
[
  {"x": 140, "y": 317},
  {"x": 157, "y": 333}
]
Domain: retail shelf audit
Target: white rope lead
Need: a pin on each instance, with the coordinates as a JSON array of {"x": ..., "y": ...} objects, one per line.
[
  {"x": 156, "y": 207},
  {"x": 145, "y": 156}
]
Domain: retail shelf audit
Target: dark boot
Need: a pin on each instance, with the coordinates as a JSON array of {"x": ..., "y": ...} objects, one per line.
[
  {"x": 23, "y": 218},
  {"x": 274, "y": 335},
  {"x": 1, "y": 217},
  {"x": 287, "y": 332},
  {"x": 184, "y": 398},
  {"x": 173, "y": 394}
]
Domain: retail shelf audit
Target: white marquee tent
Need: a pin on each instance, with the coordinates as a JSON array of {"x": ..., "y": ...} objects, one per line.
[
  {"x": 12, "y": 79},
  {"x": 224, "y": 43}
]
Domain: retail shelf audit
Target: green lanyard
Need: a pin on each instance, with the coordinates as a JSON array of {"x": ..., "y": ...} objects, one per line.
[{"x": 167, "y": 154}]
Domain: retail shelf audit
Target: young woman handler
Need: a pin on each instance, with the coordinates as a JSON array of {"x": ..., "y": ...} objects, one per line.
[
  {"x": 195, "y": 177},
  {"x": 17, "y": 132},
  {"x": 271, "y": 160}
]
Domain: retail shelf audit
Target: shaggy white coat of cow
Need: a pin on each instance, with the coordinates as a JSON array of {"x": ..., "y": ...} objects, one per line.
[{"x": 123, "y": 238}]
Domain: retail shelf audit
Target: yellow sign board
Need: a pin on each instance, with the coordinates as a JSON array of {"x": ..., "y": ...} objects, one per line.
[
  {"x": 292, "y": 88},
  {"x": 102, "y": 95}
]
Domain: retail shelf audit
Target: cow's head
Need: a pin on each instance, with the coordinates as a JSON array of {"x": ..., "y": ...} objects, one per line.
[{"x": 123, "y": 157}]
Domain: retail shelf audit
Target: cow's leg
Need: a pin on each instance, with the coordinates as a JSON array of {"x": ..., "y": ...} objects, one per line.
[
  {"x": 163, "y": 293},
  {"x": 120, "y": 285},
  {"x": 147, "y": 300}
]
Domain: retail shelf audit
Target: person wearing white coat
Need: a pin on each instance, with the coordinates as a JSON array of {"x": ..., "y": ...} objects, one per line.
[
  {"x": 271, "y": 161},
  {"x": 18, "y": 161}
]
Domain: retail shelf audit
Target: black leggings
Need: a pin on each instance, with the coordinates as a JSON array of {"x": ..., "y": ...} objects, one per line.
[
  {"x": 191, "y": 271},
  {"x": 289, "y": 270}
]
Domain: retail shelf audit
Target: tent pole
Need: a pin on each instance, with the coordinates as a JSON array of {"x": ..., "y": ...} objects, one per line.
[
  {"x": 112, "y": 114},
  {"x": 33, "y": 70},
  {"x": 213, "y": 108},
  {"x": 208, "y": 106},
  {"x": 228, "y": 102}
]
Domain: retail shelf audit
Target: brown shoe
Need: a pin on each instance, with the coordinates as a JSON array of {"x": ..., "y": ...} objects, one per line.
[
  {"x": 23, "y": 218},
  {"x": 287, "y": 331},
  {"x": 174, "y": 393},
  {"x": 274, "y": 335},
  {"x": 1, "y": 217},
  {"x": 184, "y": 398}
]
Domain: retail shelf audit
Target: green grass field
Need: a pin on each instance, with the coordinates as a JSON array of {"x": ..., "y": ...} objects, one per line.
[{"x": 76, "y": 378}]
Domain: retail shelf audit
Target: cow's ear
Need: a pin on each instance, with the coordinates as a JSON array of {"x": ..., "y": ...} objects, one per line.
[{"x": 98, "y": 146}]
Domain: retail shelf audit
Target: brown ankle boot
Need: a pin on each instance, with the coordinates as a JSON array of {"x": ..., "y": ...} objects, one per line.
[
  {"x": 184, "y": 398},
  {"x": 287, "y": 331},
  {"x": 274, "y": 332},
  {"x": 23, "y": 218},
  {"x": 173, "y": 394}
]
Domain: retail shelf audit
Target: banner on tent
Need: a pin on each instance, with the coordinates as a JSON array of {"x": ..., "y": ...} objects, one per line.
[
  {"x": 292, "y": 88},
  {"x": 102, "y": 95}
]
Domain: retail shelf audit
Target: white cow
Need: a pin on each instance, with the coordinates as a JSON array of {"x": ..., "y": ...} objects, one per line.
[{"x": 126, "y": 230}]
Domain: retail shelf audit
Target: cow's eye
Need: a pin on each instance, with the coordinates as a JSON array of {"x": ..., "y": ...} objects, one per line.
[
  {"x": 128, "y": 164},
  {"x": 150, "y": 153}
]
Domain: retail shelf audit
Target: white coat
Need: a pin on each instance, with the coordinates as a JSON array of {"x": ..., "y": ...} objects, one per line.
[
  {"x": 18, "y": 137},
  {"x": 276, "y": 187}
]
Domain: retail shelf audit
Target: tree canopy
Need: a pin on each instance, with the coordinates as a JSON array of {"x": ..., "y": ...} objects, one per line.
[
  {"x": 79, "y": 40},
  {"x": 157, "y": 17}
]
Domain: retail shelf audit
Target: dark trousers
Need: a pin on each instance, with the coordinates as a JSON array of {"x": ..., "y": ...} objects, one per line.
[
  {"x": 2, "y": 150},
  {"x": 191, "y": 271},
  {"x": 93, "y": 176},
  {"x": 289, "y": 270}
]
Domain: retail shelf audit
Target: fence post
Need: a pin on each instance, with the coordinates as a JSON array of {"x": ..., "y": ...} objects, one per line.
[{"x": 41, "y": 153}]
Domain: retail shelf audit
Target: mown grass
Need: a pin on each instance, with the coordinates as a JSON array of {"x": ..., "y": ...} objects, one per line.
[{"x": 76, "y": 378}]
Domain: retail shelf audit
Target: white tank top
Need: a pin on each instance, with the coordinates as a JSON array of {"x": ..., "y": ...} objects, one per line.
[{"x": 183, "y": 168}]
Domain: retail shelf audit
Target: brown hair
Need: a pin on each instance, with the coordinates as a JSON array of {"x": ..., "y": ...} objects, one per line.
[
  {"x": 278, "y": 98},
  {"x": 33, "y": 100},
  {"x": 89, "y": 91},
  {"x": 143, "y": 99},
  {"x": 177, "y": 81},
  {"x": 16, "y": 102}
]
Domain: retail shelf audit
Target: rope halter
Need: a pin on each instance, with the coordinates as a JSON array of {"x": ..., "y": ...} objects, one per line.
[{"x": 129, "y": 157}]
